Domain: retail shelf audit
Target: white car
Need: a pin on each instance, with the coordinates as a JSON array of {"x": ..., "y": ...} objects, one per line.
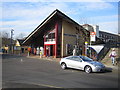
[{"x": 82, "y": 63}]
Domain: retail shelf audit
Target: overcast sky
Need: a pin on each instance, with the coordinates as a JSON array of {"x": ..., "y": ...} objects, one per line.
[{"x": 24, "y": 16}]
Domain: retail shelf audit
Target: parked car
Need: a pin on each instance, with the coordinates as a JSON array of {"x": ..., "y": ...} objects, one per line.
[{"x": 82, "y": 63}]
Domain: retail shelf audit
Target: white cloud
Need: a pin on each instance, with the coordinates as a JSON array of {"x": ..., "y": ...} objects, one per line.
[
  {"x": 25, "y": 27},
  {"x": 59, "y": 0},
  {"x": 111, "y": 27},
  {"x": 99, "y": 19},
  {"x": 40, "y": 10},
  {"x": 98, "y": 5},
  {"x": 25, "y": 18},
  {"x": 20, "y": 25},
  {"x": 35, "y": 11}
]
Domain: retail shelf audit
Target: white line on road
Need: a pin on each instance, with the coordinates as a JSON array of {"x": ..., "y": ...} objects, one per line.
[
  {"x": 45, "y": 85},
  {"x": 38, "y": 84}
]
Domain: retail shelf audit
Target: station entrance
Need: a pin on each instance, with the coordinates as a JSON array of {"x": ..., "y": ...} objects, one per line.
[{"x": 49, "y": 50}]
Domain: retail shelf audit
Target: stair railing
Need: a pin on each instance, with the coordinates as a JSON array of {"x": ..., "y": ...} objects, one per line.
[{"x": 104, "y": 51}]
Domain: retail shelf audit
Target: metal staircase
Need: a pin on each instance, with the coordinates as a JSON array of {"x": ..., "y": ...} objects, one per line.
[
  {"x": 106, "y": 60},
  {"x": 101, "y": 55}
]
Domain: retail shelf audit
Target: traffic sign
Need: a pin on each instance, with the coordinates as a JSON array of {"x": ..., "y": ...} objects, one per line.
[{"x": 92, "y": 36}]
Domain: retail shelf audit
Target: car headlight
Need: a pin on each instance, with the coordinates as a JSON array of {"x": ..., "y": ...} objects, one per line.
[
  {"x": 100, "y": 66},
  {"x": 96, "y": 65}
]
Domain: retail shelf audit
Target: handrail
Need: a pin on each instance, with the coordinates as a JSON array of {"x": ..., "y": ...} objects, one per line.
[{"x": 106, "y": 49}]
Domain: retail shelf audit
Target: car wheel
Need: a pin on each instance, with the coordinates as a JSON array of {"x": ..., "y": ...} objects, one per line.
[
  {"x": 88, "y": 69},
  {"x": 63, "y": 66}
]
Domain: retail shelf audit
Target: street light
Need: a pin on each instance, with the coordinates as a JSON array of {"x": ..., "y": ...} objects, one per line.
[
  {"x": 11, "y": 35},
  {"x": 11, "y": 43}
]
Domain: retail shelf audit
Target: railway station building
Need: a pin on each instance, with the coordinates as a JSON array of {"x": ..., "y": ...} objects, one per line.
[{"x": 58, "y": 35}]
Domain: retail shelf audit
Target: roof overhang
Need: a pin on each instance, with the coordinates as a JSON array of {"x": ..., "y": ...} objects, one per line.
[
  {"x": 38, "y": 28},
  {"x": 49, "y": 18}
]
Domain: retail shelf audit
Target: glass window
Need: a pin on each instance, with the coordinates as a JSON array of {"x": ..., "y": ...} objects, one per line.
[
  {"x": 74, "y": 58},
  {"x": 84, "y": 58},
  {"x": 50, "y": 37}
]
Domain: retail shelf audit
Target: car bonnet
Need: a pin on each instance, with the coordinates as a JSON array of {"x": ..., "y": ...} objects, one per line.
[{"x": 95, "y": 63}]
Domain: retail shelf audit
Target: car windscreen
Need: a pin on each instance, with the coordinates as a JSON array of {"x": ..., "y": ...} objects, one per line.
[{"x": 84, "y": 58}]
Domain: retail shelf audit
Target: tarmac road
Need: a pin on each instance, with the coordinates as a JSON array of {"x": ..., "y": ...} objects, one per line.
[{"x": 23, "y": 72}]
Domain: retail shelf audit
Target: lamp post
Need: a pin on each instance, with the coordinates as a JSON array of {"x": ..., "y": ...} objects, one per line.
[
  {"x": 11, "y": 43},
  {"x": 92, "y": 39},
  {"x": 77, "y": 44}
]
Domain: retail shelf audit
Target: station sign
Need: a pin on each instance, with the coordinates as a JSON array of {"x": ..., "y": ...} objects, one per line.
[{"x": 92, "y": 36}]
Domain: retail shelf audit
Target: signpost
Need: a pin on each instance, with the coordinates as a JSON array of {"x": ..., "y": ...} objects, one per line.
[{"x": 92, "y": 38}]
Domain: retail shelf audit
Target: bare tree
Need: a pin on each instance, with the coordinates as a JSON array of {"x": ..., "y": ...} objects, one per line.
[
  {"x": 83, "y": 20},
  {"x": 4, "y": 38},
  {"x": 21, "y": 36},
  {"x": 4, "y": 34}
]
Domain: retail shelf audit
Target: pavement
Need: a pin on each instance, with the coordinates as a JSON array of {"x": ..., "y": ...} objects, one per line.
[
  {"x": 108, "y": 65},
  {"x": 58, "y": 59}
]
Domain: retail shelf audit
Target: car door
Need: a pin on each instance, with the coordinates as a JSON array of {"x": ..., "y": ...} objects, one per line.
[
  {"x": 69, "y": 61},
  {"x": 76, "y": 62}
]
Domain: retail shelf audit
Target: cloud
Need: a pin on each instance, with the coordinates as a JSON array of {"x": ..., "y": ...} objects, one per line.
[
  {"x": 40, "y": 10},
  {"x": 26, "y": 16},
  {"x": 59, "y": 0},
  {"x": 19, "y": 25},
  {"x": 92, "y": 6},
  {"x": 100, "y": 19},
  {"x": 98, "y": 5},
  {"x": 108, "y": 23},
  {"x": 30, "y": 10},
  {"x": 111, "y": 27}
]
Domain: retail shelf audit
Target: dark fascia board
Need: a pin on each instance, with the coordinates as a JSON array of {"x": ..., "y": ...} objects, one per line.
[
  {"x": 55, "y": 12},
  {"x": 33, "y": 32},
  {"x": 65, "y": 17}
]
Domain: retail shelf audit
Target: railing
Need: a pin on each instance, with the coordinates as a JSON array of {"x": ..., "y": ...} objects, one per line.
[
  {"x": 106, "y": 49},
  {"x": 103, "y": 52}
]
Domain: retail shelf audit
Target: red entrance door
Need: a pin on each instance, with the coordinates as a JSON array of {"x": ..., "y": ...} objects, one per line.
[{"x": 50, "y": 50}]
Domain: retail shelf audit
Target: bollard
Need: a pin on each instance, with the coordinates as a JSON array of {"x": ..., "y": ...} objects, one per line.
[
  {"x": 40, "y": 54},
  {"x": 28, "y": 54}
]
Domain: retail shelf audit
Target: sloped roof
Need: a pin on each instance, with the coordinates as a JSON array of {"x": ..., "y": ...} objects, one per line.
[
  {"x": 54, "y": 13},
  {"x": 20, "y": 41}
]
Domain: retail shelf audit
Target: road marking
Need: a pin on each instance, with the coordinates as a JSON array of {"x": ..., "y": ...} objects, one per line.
[
  {"x": 45, "y": 85},
  {"x": 21, "y": 60}
]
